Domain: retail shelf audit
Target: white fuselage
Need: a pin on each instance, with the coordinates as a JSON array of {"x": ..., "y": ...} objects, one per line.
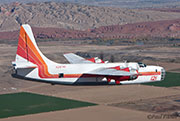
[
  {"x": 73, "y": 73},
  {"x": 148, "y": 77},
  {"x": 30, "y": 63}
]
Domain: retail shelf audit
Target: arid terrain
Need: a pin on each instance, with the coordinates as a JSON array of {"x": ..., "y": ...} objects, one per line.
[
  {"x": 113, "y": 3},
  {"x": 91, "y": 24},
  {"x": 148, "y": 35},
  {"x": 125, "y": 102},
  {"x": 73, "y": 16},
  {"x": 165, "y": 31}
]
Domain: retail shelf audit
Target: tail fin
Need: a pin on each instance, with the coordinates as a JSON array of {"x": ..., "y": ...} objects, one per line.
[
  {"x": 27, "y": 50},
  {"x": 29, "y": 56}
]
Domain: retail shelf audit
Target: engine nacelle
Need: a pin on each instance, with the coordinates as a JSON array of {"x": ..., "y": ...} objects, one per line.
[{"x": 122, "y": 78}]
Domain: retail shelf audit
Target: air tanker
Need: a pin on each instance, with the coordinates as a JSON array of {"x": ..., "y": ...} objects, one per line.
[{"x": 30, "y": 63}]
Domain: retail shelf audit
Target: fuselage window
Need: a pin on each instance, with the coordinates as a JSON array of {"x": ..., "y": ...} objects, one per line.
[
  {"x": 142, "y": 65},
  {"x": 61, "y": 75}
]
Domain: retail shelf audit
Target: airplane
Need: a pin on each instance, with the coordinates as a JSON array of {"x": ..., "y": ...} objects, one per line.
[{"x": 31, "y": 64}]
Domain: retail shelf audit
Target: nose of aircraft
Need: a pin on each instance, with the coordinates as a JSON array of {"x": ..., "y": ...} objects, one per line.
[{"x": 163, "y": 73}]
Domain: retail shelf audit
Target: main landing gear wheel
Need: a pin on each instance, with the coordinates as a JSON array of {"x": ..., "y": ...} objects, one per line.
[{"x": 117, "y": 82}]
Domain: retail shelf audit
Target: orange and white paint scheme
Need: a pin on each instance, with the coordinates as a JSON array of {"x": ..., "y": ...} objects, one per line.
[{"x": 31, "y": 64}]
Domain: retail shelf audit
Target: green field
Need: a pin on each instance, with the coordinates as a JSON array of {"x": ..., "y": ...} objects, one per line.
[
  {"x": 23, "y": 103},
  {"x": 171, "y": 80}
]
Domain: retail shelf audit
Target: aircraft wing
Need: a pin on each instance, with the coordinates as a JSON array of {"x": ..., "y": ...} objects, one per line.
[
  {"x": 110, "y": 72},
  {"x": 75, "y": 59}
]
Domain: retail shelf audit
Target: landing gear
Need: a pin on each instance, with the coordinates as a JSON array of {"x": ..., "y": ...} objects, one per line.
[
  {"x": 108, "y": 80},
  {"x": 117, "y": 82},
  {"x": 52, "y": 84}
]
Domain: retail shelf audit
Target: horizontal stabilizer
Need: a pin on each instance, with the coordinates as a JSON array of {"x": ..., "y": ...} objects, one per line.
[
  {"x": 75, "y": 59},
  {"x": 24, "y": 65}
]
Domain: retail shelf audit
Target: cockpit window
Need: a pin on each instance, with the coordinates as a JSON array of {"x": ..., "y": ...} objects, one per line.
[{"x": 142, "y": 65}]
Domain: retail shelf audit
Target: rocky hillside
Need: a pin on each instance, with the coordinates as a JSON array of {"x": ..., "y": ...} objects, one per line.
[
  {"x": 166, "y": 28},
  {"x": 161, "y": 29},
  {"x": 73, "y": 16}
]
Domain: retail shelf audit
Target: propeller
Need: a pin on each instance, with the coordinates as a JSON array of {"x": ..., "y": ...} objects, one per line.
[
  {"x": 102, "y": 56},
  {"x": 112, "y": 58}
]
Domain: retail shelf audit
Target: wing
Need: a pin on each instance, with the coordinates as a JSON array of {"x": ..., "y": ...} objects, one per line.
[
  {"x": 110, "y": 72},
  {"x": 75, "y": 59}
]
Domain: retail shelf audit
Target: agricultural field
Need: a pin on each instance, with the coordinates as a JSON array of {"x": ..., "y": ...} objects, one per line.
[
  {"x": 23, "y": 103},
  {"x": 114, "y": 102}
]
